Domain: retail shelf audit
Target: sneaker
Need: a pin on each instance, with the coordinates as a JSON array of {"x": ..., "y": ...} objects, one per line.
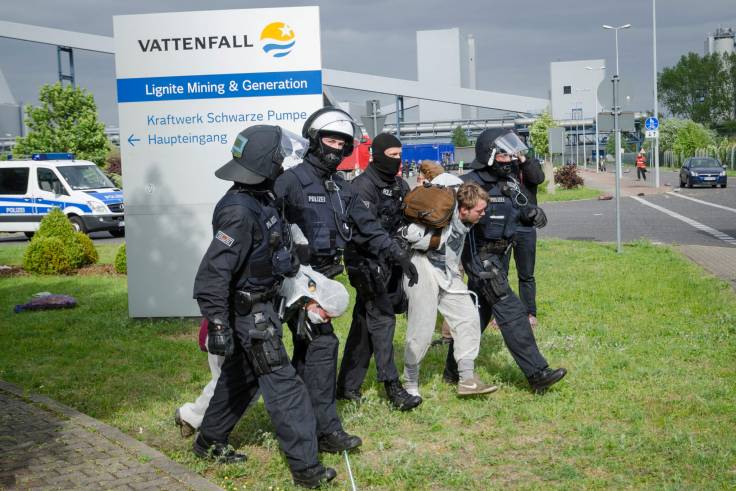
[
  {"x": 546, "y": 378},
  {"x": 533, "y": 321},
  {"x": 474, "y": 386},
  {"x": 338, "y": 441},
  {"x": 313, "y": 477},
  {"x": 399, "y": 397},
  {"x": 349, "y": 395},
  {"x": 221, "y": 453},
  {"x": 185, "y": 428}
]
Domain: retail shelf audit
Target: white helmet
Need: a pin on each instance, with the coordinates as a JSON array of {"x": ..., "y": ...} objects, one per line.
[{"x": 331, "y": 120}]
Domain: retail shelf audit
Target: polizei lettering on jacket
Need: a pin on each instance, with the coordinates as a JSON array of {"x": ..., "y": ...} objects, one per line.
[{"x": 194, "y": 43}]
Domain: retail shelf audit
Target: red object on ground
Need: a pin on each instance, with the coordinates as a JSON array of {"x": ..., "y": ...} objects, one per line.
[
  {"x": 203, "y": 335},
  {"x": 359, "y": 158}
]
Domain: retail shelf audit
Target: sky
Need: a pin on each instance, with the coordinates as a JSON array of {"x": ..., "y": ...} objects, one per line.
[{"x": 515, "y": 41}]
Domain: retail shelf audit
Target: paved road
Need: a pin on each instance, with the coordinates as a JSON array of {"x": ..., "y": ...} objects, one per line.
[{"x": 98, "y": 237}]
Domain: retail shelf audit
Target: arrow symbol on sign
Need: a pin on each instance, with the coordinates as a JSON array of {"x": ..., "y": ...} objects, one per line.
[{"x": 132, "y": 140}]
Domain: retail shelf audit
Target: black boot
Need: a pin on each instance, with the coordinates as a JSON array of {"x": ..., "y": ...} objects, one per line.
[
  {"x": 450, "y": 377},
  {"x": 222, "y": 453},
  {"x": 546, "y": 378},
  {"x": 338, "y": 441},
  {"x": 313, "y": 477},
  {"x": 400, "y": 398},
  {"x": 349, "y": 395}
]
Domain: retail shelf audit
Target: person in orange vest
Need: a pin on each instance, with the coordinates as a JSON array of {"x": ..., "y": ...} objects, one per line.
[{"x": 641, "y": 165}]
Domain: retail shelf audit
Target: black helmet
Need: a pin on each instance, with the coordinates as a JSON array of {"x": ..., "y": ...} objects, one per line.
[
  {"x": 494, "y": 141},
  {"x": 331, "y": 121},
  {"x": 258, "y": 153}
]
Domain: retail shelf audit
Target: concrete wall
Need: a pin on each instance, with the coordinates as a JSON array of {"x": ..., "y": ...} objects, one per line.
[
  {"x": 439, "y": 62},
  {"x": 583, "y": 86}
]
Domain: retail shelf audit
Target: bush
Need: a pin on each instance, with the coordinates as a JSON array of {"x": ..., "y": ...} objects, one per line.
[
  {"x": 48, "y": 255},
  {"x": 84, "y": 252},
  {"x": 56, "y": 224},
  {"x": 567, "y": 177},
  {"x": 121, "y": 261},
  {"x": 68, "y": 251}
]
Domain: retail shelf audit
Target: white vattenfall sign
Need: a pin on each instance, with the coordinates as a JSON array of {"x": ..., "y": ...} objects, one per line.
[{"x": 187, "y": 84}]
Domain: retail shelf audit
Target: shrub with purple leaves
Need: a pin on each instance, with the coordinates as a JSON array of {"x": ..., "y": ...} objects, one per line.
[{"x": 568, "y": 177}]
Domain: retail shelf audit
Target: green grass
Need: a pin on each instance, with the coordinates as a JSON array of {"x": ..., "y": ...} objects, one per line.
[
  {"x": 648, "y": 337},
  {"x": 567, "y": 194},
  {"x": 12, "y": 254}
]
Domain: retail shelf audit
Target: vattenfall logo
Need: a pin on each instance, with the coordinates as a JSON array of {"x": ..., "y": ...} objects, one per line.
[{"x": 277, "y": 39}]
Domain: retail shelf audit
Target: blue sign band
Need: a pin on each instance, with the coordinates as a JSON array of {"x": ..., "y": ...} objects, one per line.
[{"x": 219, "y": 86}]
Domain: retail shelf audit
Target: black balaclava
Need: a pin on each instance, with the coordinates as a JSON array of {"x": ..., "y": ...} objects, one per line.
[
  {"x": 329, "y": 157},
  {"x": 385, "y": 166}
]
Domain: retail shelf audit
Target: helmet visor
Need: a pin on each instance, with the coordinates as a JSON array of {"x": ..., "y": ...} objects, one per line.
[
  {"x": 292, "y": 149},
  {"x": 345, "y": 127},
  {"x": 510, "y": 143}
]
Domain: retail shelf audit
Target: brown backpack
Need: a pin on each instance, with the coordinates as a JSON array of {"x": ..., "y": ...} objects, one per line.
[{"x": 430, "y": 205}]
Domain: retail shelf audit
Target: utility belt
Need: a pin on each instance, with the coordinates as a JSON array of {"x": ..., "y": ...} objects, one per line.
[
  {"x": 492, "y": 282},
  {"x": 244, "y": 300},
  {"x": 369, "y": 277},
  {"x": 498, "y": 247}
]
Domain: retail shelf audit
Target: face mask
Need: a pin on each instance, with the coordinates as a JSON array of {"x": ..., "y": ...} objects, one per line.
[
  {"x": 387, "y": 166},
  {"x": 315, "y": 318}
]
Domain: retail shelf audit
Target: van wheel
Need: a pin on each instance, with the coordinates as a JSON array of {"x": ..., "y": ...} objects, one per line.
[
  {"x": 117, "y": 233},
  {"x": 78, "y": 224},
  {"x": 30, "y": 234}
]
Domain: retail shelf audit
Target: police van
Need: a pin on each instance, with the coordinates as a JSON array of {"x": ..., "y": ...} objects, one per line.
[{"x": 29, "y": 189}]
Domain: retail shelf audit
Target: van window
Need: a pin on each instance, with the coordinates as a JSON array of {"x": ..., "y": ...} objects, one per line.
[
  {"x": 47, "y": 181},
  {"x": 14, "y": 180},
  {"x": 85, "y": 177}
]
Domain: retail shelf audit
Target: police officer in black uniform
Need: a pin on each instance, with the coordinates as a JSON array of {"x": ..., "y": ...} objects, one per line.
[
  {"x": 317, "y": 200},
  {"x": 530, "y": 175},
  {"x": 375, "y": 264},
  {"x": 236, "y": 288},
  {"x": 496, "y": 160}
]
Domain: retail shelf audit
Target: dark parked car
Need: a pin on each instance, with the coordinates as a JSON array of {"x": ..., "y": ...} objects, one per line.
[{"x": 702, "y": 170}]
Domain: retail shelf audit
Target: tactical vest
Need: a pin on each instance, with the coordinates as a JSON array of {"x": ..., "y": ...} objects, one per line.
[
  {"x": 269, "y": 235},
  {"x": 502, "y": 214},
  {"x": 388, "y": 207},
  {"x": 324, "y": 216}
]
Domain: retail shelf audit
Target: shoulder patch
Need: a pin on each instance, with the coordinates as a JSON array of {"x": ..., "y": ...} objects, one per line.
[{"x": 224, "y": 238}]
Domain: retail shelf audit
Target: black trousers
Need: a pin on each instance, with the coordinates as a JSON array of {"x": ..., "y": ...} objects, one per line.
[
  {"x": 513, "y": 322},
  {"x": 371, "y": 333},
  {"x": 316, "y": 363},
  {"x": 284, "y": 395},
  {"x": 641, "y": 173},
  {"x": 525, "y": 257}
]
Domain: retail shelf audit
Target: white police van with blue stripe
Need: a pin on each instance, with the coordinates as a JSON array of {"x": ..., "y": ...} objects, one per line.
[{"x": 29, "y": 189}]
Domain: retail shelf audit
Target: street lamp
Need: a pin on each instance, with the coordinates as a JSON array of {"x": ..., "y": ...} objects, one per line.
[
  {"x": 617, "y": 130},
  {"x": 625, "y": 26},
  {"x": 597, "y": 110}
]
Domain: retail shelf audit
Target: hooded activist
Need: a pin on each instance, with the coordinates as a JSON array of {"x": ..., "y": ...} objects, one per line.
[
  {"x": 496, "y": 161},
  {"x": 375, "y": 263},
  {"x": 317, "y": 199},
  {"x": 237, "y": 287}
]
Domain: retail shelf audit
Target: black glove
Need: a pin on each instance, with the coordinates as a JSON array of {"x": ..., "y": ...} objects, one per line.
[
  {"x": 537, "y": 217},
  {"x": 220, "y": 339},
  {"x": 410, "y": 271}
]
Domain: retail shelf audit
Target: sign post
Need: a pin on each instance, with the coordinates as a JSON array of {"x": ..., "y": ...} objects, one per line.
[{"x": 187, "y": 84}]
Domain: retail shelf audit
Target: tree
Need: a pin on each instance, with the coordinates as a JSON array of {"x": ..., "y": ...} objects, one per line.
[
  {"x": 538, "y": 133},
  {"x": 65, "y": 121},
  {"x": 692, "y": 136},
  {"x": 459, "y": 138},
  {"x": 697, "y": 88}
]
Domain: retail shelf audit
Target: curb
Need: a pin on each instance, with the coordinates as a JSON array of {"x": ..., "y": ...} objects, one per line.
[{"x": 158, "y": 460}]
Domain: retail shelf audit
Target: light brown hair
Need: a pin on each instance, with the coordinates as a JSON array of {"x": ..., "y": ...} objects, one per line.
[
  {"x": 469, "y": 194},
  {"x": 430, "y": 169}
]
